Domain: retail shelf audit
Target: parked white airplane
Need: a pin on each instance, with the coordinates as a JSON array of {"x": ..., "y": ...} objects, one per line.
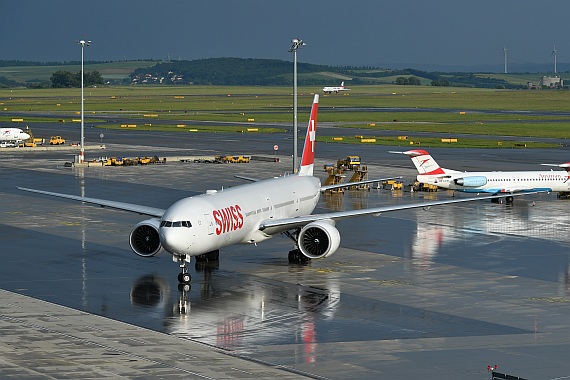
[
  {"x": 200, "y": 225},
  {"x": 488, "y": 182},
  {"x": 15, "y": 135},
  {"x": 330, "y": 90}
]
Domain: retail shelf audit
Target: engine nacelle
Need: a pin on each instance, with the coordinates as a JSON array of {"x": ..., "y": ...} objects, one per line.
[
  {"x": 473, "y": 181},
  {"x": 319, "y": 239},
  {"x": 144, "y": 238}
]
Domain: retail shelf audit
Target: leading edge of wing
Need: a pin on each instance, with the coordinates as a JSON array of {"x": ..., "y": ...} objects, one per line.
[
  {"x": 142, "y": 210},
  {"x": 274, "y": 226}
]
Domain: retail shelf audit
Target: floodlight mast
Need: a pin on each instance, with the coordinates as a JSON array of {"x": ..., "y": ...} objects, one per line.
[
  {"x": 83, "y": 43},
  {"x": 297, "y": 43}
]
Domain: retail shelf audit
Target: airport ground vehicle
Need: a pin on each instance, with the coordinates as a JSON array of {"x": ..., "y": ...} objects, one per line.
[
  {"x": 349, "y": 162},
  {"x": 233, "y": 159},
  {"x": 56, "y": 140}
]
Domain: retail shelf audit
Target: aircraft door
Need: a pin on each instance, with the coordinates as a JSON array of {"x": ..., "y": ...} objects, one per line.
[
  {"x": 210, "y": 223},
  {"x": 271, "y": 208}
]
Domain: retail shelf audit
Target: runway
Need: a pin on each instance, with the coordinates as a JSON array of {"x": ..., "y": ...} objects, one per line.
[{"x": 434, "y": 293}]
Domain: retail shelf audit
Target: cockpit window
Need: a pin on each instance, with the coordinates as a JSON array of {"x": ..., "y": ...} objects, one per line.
[{"x": 183, "y": 223}]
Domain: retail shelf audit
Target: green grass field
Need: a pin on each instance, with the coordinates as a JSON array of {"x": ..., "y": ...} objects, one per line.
[{"x": 452, "y": 110}]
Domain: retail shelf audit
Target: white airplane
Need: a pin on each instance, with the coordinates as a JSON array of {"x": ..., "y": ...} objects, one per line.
[
  {"x": 488, "y": 182},
  {"x": 14, "y": 135},
  {"x": 200, "y": 225},
  {"x": 330, "y": 90}
]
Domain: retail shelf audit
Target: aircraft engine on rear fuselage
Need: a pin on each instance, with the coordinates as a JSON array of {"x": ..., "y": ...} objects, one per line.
[
  {"x": 144, "y": 238},
  {"x": 319, "y": 239},
  {"x": 473, "y": 181}
]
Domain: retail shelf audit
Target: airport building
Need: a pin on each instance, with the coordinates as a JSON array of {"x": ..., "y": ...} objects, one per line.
[{"x": 551, "y": 82}]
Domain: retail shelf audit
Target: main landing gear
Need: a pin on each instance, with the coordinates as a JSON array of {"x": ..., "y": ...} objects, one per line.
[
  {"x": 295, "y": 255},
  {"x": 508, "y": 200}
]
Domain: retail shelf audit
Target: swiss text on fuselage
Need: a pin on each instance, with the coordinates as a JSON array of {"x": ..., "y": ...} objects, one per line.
[{"x": 228, "y": 219}]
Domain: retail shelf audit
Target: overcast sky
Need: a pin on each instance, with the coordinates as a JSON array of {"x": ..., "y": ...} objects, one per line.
[{"x": 455, "y": 33}]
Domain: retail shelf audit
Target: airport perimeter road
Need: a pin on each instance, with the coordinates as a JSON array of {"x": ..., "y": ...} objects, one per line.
[{"x": 439, "y": 293}]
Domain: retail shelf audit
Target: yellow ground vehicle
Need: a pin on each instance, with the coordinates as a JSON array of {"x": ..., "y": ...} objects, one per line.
[
  {"x": 233, "y": 159},
  {"x": 349, "y": 162},
  {"x": 33, "y": 141},
  {"x": 56, "y": 140}
]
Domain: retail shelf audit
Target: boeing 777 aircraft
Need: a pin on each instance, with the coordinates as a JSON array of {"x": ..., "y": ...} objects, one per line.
[
  {"x": 488, "y": 182},
  {"x": 330, "y": 90},
  {"x": 15, "y": 135},
  {"x": 200, "y": 225}
]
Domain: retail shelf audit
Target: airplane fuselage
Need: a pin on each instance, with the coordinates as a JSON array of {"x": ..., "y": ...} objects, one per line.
[
  {"x": 496, "y": 182},
  {"x": 216, "y": 219},
  {"x": 13, "y": 135}
]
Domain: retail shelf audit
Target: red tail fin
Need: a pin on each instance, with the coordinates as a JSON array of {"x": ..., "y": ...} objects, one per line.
[
  {"x": 308, "y": 159},
  {"x": 424, "y": 162}
]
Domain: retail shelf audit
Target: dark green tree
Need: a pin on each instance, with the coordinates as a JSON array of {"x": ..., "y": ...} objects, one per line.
[
  {"x": 64, "y": 79},
  {"x": 402, "y": 81},
  {"x": 67, "y": 79},
  {"x": 442, "y": 82},
  {"x": 413, "y": 81}
]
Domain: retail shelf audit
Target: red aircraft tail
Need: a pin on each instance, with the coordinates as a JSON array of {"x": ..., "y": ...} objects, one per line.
[{"x": 308, "y": 159}]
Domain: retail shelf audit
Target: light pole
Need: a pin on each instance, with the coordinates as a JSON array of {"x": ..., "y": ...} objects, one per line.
[
  {"x": 83, "y": 43},
  {"x": 297, "y": 43}
]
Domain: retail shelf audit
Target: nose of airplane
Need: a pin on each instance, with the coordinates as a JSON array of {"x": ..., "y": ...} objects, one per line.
[
  {"x": 171, "y": 240},
  {"x": 24, "y": 135}
]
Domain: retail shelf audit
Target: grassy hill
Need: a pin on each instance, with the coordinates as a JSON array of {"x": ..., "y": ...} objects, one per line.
[{"x": 248, "y": 72}]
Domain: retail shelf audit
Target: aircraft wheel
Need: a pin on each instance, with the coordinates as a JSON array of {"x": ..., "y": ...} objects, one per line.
[
  {"x": 184, "y": 287},
  {"x": 184, "y": 278},
  {"x": 509, "y": 199},
  {"x": 296, "y": 257}
]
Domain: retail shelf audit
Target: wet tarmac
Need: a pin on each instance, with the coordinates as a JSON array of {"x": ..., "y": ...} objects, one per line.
[{"x": 434, "y": 293}]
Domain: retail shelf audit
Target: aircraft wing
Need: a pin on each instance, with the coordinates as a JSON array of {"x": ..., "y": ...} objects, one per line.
[
  {"x": 275, "y": 226},
  {"x": 349, "y": 184},
  {"x": 250, "y": 179},
  {"x": 142, "y": 210}
]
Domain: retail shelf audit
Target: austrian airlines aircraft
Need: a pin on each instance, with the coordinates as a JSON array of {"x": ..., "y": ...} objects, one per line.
[
  {"x": 330, "y": 90},
  {"x": 13, "y": 134},
  {"x": 488, "y": 182},
  {"x": 200, "y": 225}
]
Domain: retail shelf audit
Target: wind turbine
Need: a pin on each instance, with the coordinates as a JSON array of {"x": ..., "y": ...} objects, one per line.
[
  {"x": 505, "y": 54},
  {"x": 554, "y": 53}
]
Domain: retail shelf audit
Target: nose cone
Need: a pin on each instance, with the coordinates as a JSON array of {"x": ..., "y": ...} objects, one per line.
[
  {"x": 172, "y": 239},
  {"x": 24, "y": 136}
]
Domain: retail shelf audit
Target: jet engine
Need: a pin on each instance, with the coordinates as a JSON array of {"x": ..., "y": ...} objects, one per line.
[
  {"x": 473, "y": 181},
  {"x": 144, "y": 238},
  {"x": 319, "y": 239}
]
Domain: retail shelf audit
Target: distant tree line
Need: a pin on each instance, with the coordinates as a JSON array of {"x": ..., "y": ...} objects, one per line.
[
  {"x": 68, "y": 79},
  {"x": 411, "y": 81},
  {"x": 228, "y": 71}
]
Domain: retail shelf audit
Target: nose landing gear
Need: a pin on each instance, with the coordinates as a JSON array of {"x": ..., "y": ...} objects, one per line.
[{"x": 184, "y": 277}]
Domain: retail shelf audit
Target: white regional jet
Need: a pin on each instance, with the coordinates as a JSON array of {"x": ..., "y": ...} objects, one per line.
[
  {"x": 251, "y": 213},
  {"x": 330, "y": 90},
  {"x": 14, "y": 135},
  {"x": 488, "y": 182}
]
